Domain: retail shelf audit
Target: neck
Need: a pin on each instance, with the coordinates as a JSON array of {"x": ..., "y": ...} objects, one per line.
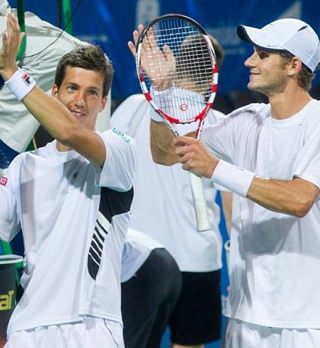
[
  {"x": 62, "y": 148},
  {"x": 288, "y": 103}
]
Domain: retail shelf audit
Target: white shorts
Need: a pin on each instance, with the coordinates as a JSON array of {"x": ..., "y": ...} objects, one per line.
[
  {"x": 245, "y": 335},
  {"x": 92, "y": 332}
]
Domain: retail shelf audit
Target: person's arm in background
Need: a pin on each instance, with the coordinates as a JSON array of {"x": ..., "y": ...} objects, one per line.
[
  {"x": 45, "y": 46},
  {"x": 51, "y": 113}
]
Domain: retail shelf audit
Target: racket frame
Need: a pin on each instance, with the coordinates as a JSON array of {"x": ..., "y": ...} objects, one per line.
[{"x": 203, "y": 223}]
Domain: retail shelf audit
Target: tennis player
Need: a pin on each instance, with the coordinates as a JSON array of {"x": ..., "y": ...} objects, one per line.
[
  {"x": 163, "y": 208},
  {"x": 268, "y": 155},
  {"x": 73, "y": 249}
]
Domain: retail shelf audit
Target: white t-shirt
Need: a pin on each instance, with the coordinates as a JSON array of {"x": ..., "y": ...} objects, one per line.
[
  {"x": 163, "y": 206},
  {"x": 73, "y": 242},
  {"x": 137, "y": 248},
  {"x": 275, "y": 257}
]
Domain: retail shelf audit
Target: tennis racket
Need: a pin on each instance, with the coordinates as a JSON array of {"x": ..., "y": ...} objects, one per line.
[{"x": 178, "y": 75}]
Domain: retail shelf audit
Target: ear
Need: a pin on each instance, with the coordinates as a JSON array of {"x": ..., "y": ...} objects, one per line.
[
  {"x": 54, "y": 91},
  {"x": 103, "y": 103},
  {"x": 295, "y": 66}
]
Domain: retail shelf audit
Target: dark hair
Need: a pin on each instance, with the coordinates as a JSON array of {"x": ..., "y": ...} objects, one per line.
[
  {"x": 193, "y": 58},
  {"x": 305, "y": 76},
  {"x": 218, "y": 50},
  {"x": 90, "y": 58}
]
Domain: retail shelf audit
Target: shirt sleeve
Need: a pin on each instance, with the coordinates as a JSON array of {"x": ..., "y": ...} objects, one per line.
[
  {"x": 120, "y": 164},
  {"x": 307, "y": 164},
  {"x": 130, "y": 113},
  {"x": 223, "y": 136},
  {"x": 17, "y": 124},
  {"x": 218, "y": 137},
  {"x": 9, "y": 219},
  {"x": 312, "y": 172}
]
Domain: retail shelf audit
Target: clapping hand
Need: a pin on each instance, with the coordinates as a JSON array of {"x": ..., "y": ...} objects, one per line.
[
  {"x": 11, "y": 40},
  {"x": 158, "y": 63}
]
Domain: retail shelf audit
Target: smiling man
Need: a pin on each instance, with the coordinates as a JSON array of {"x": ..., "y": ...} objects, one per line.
[
  {"x": 71, "y": 199},
  {"x": 268, "y": 155}
]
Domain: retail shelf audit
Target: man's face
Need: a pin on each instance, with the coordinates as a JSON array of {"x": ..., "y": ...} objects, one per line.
[
  {"x": 81, "y": 93},
  {"x": 268, "y": 74}
]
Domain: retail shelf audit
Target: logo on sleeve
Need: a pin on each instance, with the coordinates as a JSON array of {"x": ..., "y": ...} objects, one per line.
[
  {"x": 123, "y": 135},
  {"x": 3, "y": 180}
]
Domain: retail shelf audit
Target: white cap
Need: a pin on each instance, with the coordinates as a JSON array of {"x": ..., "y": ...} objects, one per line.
[{"x": 289, "y": 34}]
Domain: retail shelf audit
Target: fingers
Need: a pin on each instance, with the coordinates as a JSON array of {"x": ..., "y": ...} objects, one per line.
[
  {"x": 13, "y": 31},
  {"x": 12, "y": 24},
  {"x": 151, "y": 39},
  {"x": 140, "y": 28},
  {"x": 168, "y": 53},
  {"x": 187, "y": 158},
  {"x": 185, "y": 150},
  {"x": 132, "y": 48},
  {"x": 11, "y": 40},
  {"x": 135, "y": 36},
  {"x": 194, "y": 156},
  {"x": 184, "y": 140}
]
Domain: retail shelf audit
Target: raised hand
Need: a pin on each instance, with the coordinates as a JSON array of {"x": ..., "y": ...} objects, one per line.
[
  {"x": 158, "y": 63},
  {"x": 11, "y": 40},
  {"x": 135, "y": 37}
]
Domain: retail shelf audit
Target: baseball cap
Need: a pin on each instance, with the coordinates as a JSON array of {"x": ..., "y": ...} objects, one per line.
[{"x": 288, "y": 34}]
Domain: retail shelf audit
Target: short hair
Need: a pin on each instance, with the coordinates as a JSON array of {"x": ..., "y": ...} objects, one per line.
[
  {"x": 218, "y": 50},
  {"x": 305, "y": 76},
  {"x": 89, "y": 57},
  {"x": 194, "y": 51}
]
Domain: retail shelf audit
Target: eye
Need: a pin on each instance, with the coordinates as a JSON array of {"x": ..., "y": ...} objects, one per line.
[
  {"x": 263, "y": 54},
  {"x": 71, "y": 88},
  {"x": 93, "y": 92}
]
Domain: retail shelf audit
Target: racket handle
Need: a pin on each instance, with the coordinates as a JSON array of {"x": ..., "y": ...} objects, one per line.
[{"x": 200, "y": 204}]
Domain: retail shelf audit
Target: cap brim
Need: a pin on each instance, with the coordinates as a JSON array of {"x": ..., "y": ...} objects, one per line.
[
  {"x": 257, "y": 37},
  {"x": 242, "y": 33}
]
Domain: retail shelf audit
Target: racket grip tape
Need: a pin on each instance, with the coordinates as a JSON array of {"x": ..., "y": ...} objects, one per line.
[{"x": 200, "y": 204}]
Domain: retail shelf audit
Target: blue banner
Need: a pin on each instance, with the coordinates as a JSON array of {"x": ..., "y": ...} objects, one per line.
[{"x": 110, "y": 24}]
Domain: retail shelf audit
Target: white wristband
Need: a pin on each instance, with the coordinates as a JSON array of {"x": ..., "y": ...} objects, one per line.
[
  {"x": 20, "y": 84},
  {"x": 235, "y": 179}
]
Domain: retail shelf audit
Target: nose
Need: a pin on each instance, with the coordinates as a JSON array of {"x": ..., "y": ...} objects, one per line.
[
  {"x": 79, "y": 99},
  {"x": 250, "y": 61}
]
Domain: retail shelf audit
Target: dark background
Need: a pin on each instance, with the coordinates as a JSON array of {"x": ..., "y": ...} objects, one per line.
[{"x": 110, "y": 24}]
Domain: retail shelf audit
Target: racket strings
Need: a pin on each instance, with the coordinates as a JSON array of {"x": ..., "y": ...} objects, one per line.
[{"x": 189, "y": 78}]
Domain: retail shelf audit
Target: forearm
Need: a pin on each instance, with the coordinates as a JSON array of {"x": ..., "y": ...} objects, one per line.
[
  {"x": 162, "y": 147},
  {"x": 293, "y": 197},
  {"x": 52, "y": 114}
]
